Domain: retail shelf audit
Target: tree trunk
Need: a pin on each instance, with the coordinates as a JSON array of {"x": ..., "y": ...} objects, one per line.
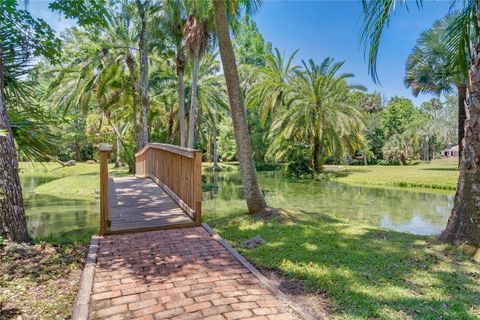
[
  {"x": 143, "y": 50},
  {"x": 112, "y": 124},
  {"x": 462, "y": 96},
  {"x": 118, "y": 161},
  {"x": 253, "y": 194},
  {"x": 181, "y": 107},
  {"x": 317, "y": 166},
  {"x": 193, "y": 101},
  {"x": 209, "y": 146},
  {"x": 133, "y": 74},
  {"x": 426, "y": 148},
  {"x": 216, "y": 167},
  {"x": 464, "y": 222},
  {"x": 181, "y": 93},
  {"x": 13, "y": 224}
]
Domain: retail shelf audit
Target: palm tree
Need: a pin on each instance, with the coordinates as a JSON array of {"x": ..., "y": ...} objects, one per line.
[
  {"x": 319, "y": 115},
  {"x": 196, "y": 36},
  {"x": 21, "y": 38},
  {"x": 93, "y": 78},
  {"x": 462, "y": 34},
  {"x": 121, "y": 40},
  {"x": 428, "y": 70},
  {"x": 253, "y": 194},
  {"x": 173, "y": 22},
  {"x": 269, "y": 91},
  {"x": 212, "y": 99}
]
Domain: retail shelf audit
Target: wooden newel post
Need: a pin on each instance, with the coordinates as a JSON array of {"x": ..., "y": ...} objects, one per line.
[{"x": 105, "y": 149}]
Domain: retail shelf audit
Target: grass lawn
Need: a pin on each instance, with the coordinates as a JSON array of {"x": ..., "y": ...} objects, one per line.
[
  {"x": 365, "y": 272},
  {"x": 438, "y": 174},
  {"x": 77, "y": 182}
]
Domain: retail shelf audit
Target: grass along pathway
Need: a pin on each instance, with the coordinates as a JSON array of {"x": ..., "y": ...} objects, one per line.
[{"x": 365, "y": 272}]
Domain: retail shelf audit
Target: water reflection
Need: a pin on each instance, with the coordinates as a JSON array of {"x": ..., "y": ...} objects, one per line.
[
  {"x": 55, "y": 215},
  {"x": 416, "y": 212}
]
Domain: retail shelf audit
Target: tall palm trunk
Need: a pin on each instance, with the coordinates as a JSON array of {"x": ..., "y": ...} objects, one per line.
[
  {"x": 426, "y": 147},
  {"x": 181, "y": 107},
  {"x": 317, "y": 166},
  {"x": 461, "y": 96},
  {"x": 464, "y": 222},
  {"x": 193, "y": 101},
  {"x": 215, "y": 149},
  {"x": 209, "y": 146},
  {"x": 143, "y": 50},
  {"x": 13, "y": 225},
  {"x": 118, "y": 160},
  {"x": 181, "y": 93},
  {"x": 253, "y": 194},
  {"x": 133, "y": 74}
]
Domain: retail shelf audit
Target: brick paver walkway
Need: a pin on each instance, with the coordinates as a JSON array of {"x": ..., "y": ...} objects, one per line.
[{"x": 176, "y": 274}]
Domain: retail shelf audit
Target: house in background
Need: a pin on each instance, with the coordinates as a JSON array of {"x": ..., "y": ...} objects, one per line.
[{"x": 450, "y": 152}]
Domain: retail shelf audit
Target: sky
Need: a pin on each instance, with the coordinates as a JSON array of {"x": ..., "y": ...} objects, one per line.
[{"x": 321, "y": 29}]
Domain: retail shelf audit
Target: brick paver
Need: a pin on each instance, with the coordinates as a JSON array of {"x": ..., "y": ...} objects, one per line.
[{"x": 176, "y": 274}]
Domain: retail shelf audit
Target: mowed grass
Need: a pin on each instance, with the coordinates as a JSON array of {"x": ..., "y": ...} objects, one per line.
[
  {"x": 77, "y": 182},
  {"x": 438, "y": 174},
  {"x": 366, "y": 273}
]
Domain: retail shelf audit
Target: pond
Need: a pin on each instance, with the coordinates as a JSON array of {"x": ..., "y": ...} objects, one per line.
[
  {"x": 48, "y": 214},
  {"x": 402, "y": 210}
]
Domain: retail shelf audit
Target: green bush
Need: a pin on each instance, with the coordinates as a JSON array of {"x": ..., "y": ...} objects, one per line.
[{"x": 389, "y": 162}]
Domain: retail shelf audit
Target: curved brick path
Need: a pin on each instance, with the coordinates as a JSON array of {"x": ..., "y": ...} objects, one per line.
[{"x": 176, "y": 274}]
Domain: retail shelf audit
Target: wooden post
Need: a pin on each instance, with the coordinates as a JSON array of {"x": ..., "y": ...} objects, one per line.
[
  {"x": 197, "y": 186},
  {"x": 105, "y": 149}
]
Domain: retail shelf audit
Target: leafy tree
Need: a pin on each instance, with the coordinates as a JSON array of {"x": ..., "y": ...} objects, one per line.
[
  {"x": 398, "y": 115},
  {"x": 463, "y": 34},
  {"x": 249, "y": 46}
]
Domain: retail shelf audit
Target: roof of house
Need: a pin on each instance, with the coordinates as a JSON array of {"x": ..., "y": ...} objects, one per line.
[{"x": 454, "y": 148}]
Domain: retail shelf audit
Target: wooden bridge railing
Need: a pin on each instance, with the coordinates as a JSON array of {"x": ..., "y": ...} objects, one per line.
[{"x": 177, "y": 170}]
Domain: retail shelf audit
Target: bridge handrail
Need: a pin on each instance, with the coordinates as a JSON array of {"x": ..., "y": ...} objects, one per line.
[
  {"x": 186, "y": 152},
  {"x": 177, "y": 170}
]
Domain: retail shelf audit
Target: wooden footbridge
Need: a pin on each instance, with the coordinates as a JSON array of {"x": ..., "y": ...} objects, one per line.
[
  {"x": 165, "y": 193},
  {"x": 188, "y": 273}
]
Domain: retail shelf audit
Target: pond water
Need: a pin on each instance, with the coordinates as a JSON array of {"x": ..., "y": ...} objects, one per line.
[
  {"x": 416, "y": 212},
  {"x": 49, "y": 214},
  {"x": 402, "y": 210}
]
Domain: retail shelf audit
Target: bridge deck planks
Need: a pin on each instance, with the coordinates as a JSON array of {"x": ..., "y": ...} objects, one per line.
[{"x": 140, "y": 204}]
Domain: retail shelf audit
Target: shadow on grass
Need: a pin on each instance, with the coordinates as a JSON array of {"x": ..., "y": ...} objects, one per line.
[
  {"x": 366, "y": 272},
  {"x": 344, "y": 173},
  {"x": 440, "y": 169},
  {"x": 10, "y": 313}
]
